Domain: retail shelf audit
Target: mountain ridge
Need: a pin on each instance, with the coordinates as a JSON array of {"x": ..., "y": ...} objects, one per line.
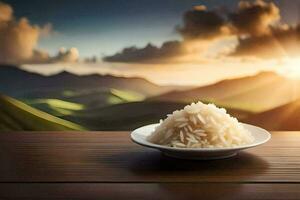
[
  {"x": 282, "y": 118},
  {"x": 245, "y": 93},
  {"x": 13, "y": 79}
]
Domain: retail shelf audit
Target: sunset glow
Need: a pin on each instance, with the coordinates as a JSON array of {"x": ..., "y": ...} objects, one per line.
[
  {"x": 290, "y": 68},
  {"x": 183, "y": 73}
]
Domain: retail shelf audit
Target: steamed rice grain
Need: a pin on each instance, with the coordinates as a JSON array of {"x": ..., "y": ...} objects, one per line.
[{"x": 200, "y": 125}]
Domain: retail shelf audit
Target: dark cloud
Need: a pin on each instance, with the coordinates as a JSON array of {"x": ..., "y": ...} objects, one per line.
[
  {"x": 92, "y": 59},
  {"x": 251, "y": 18},
  {"x": 255, "y": 18},
  {"x": 255, "y": 24},
  {"x": 200, "y": 23},
  {"x": 265, "y": 36},
  {"x": 280, "y": 42},
  {"x": 149, "y": 53}
]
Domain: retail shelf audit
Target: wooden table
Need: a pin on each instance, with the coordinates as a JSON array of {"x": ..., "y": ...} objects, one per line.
[{"x": 107, "y": 165}]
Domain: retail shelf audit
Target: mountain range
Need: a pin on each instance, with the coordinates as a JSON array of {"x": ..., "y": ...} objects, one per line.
[
  {"x": 91, "y": 89},
  {"x": 258, "y": 93},
  {"x": 104, "y": 102}
]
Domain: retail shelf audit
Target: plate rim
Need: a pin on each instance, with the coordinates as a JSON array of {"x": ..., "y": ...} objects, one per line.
[{"x": 162, "y": 147}]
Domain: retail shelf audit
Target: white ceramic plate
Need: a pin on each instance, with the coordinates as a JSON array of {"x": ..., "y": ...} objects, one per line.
[{"x": 139, "y": 136}]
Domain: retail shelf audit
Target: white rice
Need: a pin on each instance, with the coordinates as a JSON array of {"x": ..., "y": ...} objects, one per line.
[{"x": 200, "y": 126}]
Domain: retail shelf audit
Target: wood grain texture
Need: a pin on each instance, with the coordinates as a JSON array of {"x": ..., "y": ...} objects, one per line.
[
  {"x": 111, "y": 157},
  {"x": 148, "y": 191}
]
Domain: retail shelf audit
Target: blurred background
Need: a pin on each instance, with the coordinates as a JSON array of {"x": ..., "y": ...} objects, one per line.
[{"x": 117, "y": 65}]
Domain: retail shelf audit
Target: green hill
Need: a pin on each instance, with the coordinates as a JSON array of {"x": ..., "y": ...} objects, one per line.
[
  {"x": 103, "y": 97},
  {"x": 15, "y": 115},
  {"x": 79, "y": 102},
  {"x": 55, "y": 107}
]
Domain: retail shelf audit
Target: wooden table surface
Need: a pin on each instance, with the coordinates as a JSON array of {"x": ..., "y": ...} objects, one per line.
[{"x": 107, "y": 165}]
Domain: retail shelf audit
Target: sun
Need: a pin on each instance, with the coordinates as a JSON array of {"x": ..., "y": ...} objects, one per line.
[{"x": 290, "y": 68}]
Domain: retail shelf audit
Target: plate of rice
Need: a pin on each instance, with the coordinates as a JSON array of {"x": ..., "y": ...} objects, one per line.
[{"x": 200, "y": 131}]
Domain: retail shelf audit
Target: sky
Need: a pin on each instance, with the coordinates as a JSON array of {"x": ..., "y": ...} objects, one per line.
[
  {"x": 104, "y": 27},
  {"x": 190, "y": 42}
]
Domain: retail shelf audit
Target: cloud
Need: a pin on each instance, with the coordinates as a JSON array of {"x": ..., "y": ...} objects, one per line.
[
  {"x": 92, "y": 59},
  {"x": 19, "y": 39},
  {"x": 149, "y": 53},
  {"x": 253, "y": 29},
  {"x": 66, "y": 55},
  {"x": 200, "y": 30},
  {"x": 251, "y": 18},
  {"x": 266, "y": 36},
  {"x": 255, "y": 18},
  {"x": 200, "y": 23},
  {"x": 279, "y": 43},
  {"x": 38, "y": 56},
  {"x": 6, "y": 12},
  {"x": 47, "y": 30},
  {"x": 255, "y": 24},
  {"x": 63, "y": 56}
]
